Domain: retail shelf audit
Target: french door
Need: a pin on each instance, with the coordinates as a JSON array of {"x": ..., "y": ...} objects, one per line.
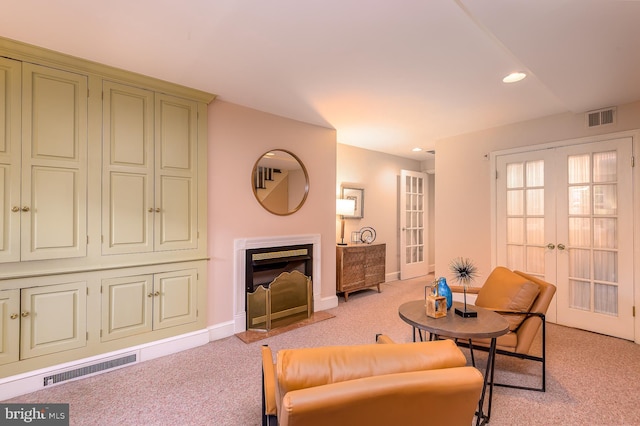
[
  {"x": 565, "y": 214},
  {"x": 413, "y": 224}
]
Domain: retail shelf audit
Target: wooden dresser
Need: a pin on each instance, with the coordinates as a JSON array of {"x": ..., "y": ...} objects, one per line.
[{"x": 359, "y": 266}]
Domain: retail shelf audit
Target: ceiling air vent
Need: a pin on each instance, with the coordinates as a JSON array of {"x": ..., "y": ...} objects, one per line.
[{"x": 601, "y": 117}]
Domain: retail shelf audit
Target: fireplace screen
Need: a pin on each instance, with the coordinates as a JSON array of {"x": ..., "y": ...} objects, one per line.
[{"x": 286, "y": 300}]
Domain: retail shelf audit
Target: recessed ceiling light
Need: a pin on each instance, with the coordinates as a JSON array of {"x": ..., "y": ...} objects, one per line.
[
  {"x": 417, "y": 149},
  {"x": 513, "y": 77}
]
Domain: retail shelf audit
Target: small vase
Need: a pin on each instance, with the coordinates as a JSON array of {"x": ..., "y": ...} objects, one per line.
[{"x": 444, "y": 290}]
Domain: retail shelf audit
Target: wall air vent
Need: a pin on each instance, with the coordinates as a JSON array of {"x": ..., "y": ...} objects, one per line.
[
  {"x": 601, "y": 117},
  {"x": 89, "y": 369}
]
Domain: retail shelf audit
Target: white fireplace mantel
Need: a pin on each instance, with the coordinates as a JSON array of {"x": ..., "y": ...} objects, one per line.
[{"x": 240, "y": 245}]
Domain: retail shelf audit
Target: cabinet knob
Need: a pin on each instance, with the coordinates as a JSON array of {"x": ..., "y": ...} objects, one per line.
[
  {"x": 15, "y": 209},
  {"x": 551, "y": 246},
  {"x": 150, "y": 209},
  {"x": 158, "y": 210},
  {"x": 561, "y": 247},
  {"x": 24, "y": 314},
  {"x": 150, "y": 295},
  {"x": 157, "y": 293},
  {"x": 25, "y": 209},
  {"x": 13, "y": 316}
]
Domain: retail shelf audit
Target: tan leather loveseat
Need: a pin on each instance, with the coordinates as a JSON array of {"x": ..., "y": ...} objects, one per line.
[{"x": 377, "y": 384}]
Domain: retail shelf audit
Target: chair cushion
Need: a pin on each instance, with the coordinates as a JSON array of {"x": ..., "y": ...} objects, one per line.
[{"x": 507, "y": 291}]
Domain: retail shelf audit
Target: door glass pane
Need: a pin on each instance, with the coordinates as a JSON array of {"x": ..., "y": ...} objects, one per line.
[
  {"x": 535, "y": 173},
  {"x": 605, "y": 266},
  {"x": 578, "y": 169},
  {"x": 579, "y": 200},
  {"x": 605, "y": 299},
  {"x": 515, "y": 230},
  {"x": 579, "y": 265},
  {"x": 605, "y": 233},
  {"x": 515, "y": 203},
  {"x": 515, "y": 175},
  {"x": 535, "y": 202},
  {"x": 515, "y": 257},
  {"x": 605, "y": 199},
  {"x": 604, "y": 166},
  {"x": 579, "y": 232},
  {"x": 535, "y": 260},
  {"x": 580, "y": 295},
  {"x": 535, "y": 231}
]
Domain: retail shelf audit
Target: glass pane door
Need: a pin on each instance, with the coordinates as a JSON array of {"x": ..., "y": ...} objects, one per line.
[{"x": 413, "y": 248}]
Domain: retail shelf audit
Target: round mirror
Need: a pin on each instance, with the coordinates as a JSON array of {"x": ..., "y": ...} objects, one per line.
[{"x": 280, "y": 182}]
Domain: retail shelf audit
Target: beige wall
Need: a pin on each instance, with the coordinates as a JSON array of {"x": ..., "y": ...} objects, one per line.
[
  {"x": 379, "y": 175},
  {"x": 464, "y": 178},
  {"x": 238, "y": 136}
]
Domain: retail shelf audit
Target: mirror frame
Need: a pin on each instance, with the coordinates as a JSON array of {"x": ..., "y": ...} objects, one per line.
[{"x": 306, "y": 182}]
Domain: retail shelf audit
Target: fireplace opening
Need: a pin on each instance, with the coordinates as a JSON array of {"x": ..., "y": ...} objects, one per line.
[
  {"x": 291, "y": 301},
  {"x": 265, "y": 264}
]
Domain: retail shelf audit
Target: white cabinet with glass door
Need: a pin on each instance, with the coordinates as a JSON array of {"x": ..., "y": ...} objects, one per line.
[
  {"x": 150, "y": 171},
  {"x": 561, "y": 215}
]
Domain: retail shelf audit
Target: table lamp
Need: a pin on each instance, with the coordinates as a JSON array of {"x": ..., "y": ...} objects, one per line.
[{"x": 344, "y": 207}]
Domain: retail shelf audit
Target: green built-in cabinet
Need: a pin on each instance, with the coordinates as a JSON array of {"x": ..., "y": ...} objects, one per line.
[{"x": 102, "y": 208}]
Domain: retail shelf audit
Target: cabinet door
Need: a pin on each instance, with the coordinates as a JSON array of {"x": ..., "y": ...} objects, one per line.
[
  {"x": 9, "y": 326},
  {"x": 128, "y": 207},
  {"x": 176, "y": 173},
  {"x": 10, "y": 107},
  {"x": 54, "y": 163},
  {"x": 127, "y": 304},
  {"x": 53, "y": 319},
  {"x": 176, "y": 298},
  {"x": 353, "y": 267},
  {"x": 374, "y": 264}
]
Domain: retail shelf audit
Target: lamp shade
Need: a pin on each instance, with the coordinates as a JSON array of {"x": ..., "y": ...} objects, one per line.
[{"x": 345, "y": 207}]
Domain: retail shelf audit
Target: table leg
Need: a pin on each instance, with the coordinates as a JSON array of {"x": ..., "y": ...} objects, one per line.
[{"x": 481, "y": 417}]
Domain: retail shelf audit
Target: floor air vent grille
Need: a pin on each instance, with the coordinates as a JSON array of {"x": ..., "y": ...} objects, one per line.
[{"x": 89, "y": 369}]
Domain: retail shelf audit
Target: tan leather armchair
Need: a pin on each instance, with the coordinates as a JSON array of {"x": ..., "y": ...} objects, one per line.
[
  {"x": 378, "y": 384},
  {"x": 523, "y": 299}
]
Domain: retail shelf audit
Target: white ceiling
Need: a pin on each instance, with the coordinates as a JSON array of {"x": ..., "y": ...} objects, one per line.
[{"x": 387, "y": 75}]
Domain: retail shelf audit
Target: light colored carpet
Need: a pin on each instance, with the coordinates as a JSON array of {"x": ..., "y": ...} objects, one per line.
[{"x": 591, "y": 379}]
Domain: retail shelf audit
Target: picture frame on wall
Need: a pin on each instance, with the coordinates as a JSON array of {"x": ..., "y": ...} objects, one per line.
[{"x": 356, "y": 194}]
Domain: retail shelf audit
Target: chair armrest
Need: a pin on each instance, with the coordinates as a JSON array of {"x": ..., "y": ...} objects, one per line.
[
  {"x": 528, "y": 314},
  {"x": 268, "y": 382},
  {"x": 460, "y": 289},
  {"x": 383, "y": 338}
]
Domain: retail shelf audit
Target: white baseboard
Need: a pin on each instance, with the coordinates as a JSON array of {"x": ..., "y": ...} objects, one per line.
[{"x": 32, "y": 381}]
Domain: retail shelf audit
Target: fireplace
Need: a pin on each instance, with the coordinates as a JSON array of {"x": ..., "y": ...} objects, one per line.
[
  {"x": 312, "y": 242},
  {"x": 278, "y": 286}
]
